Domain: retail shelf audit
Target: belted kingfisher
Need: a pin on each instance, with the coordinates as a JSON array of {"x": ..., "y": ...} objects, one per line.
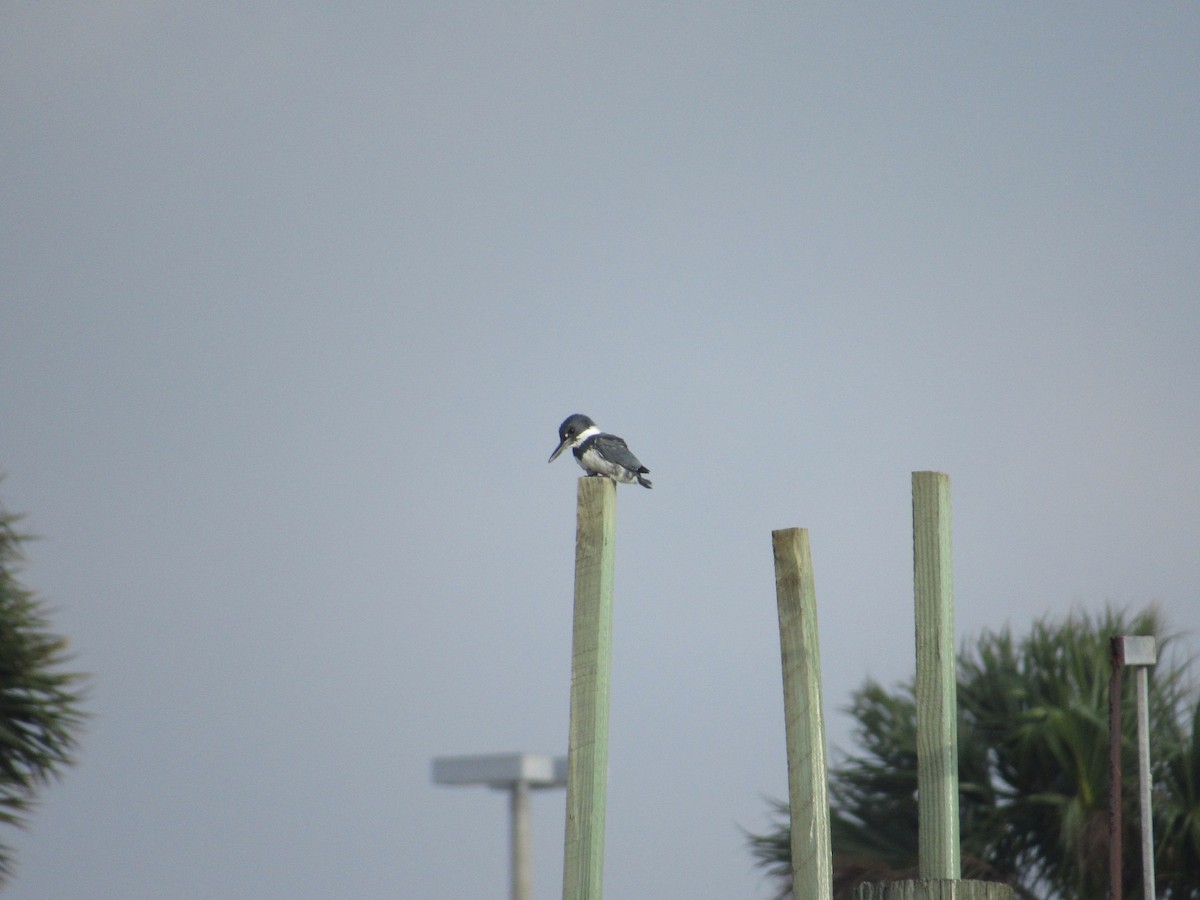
[{"x": 598, "y": 453}]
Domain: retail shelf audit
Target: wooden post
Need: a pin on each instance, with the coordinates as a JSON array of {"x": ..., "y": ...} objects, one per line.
[
  {"x": 587, "y": 752},
  {"x": 937, "y": 712},
  {"x": 937, "y": 693},
  {"x": 812, "y": 864},
  {"x": 1116, "y": 875}
]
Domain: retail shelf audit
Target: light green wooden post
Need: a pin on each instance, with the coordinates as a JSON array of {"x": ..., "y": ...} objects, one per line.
[
  {"x": 937, "y": 693},
  {"x": 812, "y": 865},
  {"x": 587, "y": 752},
  {"x": 937, "y": 712}
]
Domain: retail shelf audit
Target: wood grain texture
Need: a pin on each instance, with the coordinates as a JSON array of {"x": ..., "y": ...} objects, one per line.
[
  {"x": 591, "y": 664},
  {"x": 812, "y": 864},
  {"x": 936, "y": 687}
]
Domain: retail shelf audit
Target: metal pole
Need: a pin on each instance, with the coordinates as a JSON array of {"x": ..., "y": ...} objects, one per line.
[
  {"x": 518, "y": 774},
  {"x": 1143, "y": 734},
  {"x": 1114, "y": 774},
  {"x": 520, "y": 842}
]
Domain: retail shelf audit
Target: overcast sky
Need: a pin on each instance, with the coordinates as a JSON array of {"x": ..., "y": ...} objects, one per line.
[{"x": 295, "y": 297}]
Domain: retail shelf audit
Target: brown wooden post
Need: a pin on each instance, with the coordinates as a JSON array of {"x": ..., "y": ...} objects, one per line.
[{"x": 1115, "y": 843}]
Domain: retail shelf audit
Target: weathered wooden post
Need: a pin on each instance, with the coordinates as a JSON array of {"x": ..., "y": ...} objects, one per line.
[
  {"x": 937, "y": 685},
  {"x": 591, "y": 656},
  {"x": 939, "y": 863},
  {"x": 812, "y": 864}
]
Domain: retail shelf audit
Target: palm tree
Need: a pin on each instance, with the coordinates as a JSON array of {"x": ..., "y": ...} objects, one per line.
[
  {"x": 1033, "y": 769},
  {"x": 1041, "y": 706},
  {"x": 1177, "y": 812},
  {"x": 39, "y": 704}
]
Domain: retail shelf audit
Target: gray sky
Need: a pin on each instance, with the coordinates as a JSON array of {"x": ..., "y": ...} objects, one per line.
[{"x": 295, "y": 298}]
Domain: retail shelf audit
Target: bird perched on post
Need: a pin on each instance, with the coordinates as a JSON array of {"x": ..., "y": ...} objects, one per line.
[{"x": 598, "y": 453}]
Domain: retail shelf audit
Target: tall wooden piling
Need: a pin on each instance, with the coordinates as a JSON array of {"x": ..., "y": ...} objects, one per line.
[
  {"x": 591, "y": 658},
  {"x": 812, "y": 864},
  {"x": 939, "y": 862},
  {"x": 937, "y": 687},
  {"x": 937, "y": 724}
]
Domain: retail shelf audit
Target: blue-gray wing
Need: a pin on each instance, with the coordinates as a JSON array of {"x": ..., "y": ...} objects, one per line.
[{"x": 616, "y": 450}]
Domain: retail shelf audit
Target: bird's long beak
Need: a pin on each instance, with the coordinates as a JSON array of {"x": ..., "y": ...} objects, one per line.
[{"x": 559, "y": 449}]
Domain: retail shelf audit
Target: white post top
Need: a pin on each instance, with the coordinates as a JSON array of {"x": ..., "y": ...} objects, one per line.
[
  {"x": 1136, "y": 651},
  {"x": 501, "y": 770}
]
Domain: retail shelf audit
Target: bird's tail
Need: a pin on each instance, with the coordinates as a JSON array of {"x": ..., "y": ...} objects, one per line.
[{"x": 644, "y": 482}]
